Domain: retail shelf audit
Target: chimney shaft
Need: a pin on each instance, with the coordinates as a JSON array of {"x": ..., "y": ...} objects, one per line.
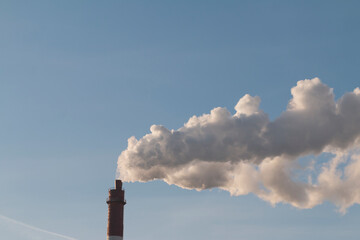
[{"x": 116, "y": 202}]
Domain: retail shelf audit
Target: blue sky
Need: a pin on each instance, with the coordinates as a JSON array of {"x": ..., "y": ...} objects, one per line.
[{"x": 77, "y": 79}]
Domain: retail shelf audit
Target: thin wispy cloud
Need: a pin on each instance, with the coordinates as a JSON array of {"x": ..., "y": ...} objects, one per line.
[{"x": 25, "y": 225}]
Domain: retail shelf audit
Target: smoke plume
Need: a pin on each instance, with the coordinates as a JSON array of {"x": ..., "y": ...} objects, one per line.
[{"x": 246, "y": 153}]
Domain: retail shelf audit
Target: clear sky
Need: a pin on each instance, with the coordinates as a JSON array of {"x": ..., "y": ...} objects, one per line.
[{"x": 78, "y": 78}]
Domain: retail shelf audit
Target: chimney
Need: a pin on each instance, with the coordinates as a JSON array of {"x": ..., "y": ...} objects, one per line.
[{"x": 116, "y": 202}]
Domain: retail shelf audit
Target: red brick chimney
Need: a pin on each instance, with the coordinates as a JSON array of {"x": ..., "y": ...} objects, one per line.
[{"x": 116, "y": 202}]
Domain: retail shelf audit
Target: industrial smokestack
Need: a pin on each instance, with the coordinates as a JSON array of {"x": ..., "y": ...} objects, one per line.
[{"x": 116, "y": 202}]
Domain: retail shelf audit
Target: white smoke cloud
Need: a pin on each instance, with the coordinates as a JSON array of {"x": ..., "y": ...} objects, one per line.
[{"x": 247, "y": 153}]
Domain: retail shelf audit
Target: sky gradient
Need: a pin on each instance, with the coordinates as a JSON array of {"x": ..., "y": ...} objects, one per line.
[{"x": 77, "y": 79}]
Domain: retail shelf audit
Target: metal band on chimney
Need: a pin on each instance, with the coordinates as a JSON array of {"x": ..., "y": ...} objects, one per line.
[{"x": 114, "y": 238}]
